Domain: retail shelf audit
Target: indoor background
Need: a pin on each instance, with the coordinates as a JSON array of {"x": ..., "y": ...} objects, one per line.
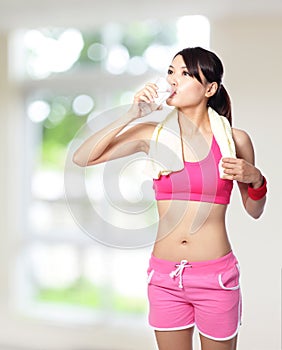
[{"x": 65, "y": 64}]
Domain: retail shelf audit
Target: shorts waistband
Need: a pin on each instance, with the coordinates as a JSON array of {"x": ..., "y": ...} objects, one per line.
[{"x": 166, "y": 266}]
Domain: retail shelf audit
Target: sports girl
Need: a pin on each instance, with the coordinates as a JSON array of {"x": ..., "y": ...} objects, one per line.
[{"x": 193, "y": 275}]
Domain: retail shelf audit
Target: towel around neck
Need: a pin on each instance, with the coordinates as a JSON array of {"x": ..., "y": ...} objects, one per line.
[{"x": 166, "y": 155}]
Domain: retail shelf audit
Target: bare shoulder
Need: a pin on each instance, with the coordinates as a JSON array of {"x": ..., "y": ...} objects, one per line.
[
  {"x": 141, "y": 131},
  {"x": 243, "y": 144},
  {"x": 241, "y": 137},
  {"x": 146, "y": 128}
]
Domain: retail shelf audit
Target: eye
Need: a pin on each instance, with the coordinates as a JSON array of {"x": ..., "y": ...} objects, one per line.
[
  {"x": 169, "y": 71},
  {"x": 186, "y": 73}
]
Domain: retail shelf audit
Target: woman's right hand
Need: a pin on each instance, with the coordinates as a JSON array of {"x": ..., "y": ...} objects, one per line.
[{"x": 143, "y": 103}]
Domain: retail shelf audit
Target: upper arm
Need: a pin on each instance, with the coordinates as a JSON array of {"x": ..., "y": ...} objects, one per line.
[
  {"x": 244, "y": 146},
  {"x": 132, "y": 140}
]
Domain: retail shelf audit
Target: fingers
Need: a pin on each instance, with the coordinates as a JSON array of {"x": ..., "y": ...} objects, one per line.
[
  {"x": 147, "y": 94},
  {"x": 232, "y": 169},
  {"x": 231, "y": 164},
  {"x": 238, "y": 169},
  {"x": 229, "y": 177},
  {"x": 230, "y": 160},
  {"x": 228, "y": 165}
]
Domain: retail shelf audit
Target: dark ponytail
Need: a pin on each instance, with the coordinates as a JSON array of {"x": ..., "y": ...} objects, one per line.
[
  {"x": 199, "y": 60},
  {"x": 221, "y": 103}
]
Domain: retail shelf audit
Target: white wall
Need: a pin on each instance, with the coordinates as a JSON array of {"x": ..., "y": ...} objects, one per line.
[{"x": 252, "y": 55}]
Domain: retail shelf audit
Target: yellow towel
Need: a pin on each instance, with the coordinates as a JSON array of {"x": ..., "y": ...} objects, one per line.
[{"x": 166, "y": 155}]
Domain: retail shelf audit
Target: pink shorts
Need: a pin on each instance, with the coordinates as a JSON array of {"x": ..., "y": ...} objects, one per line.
[{"x": 205, "y": 294}]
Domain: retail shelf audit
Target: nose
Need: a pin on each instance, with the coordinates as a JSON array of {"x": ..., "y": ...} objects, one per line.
[
  {"x": 174, "y": 85},
  {"x": 172, "y": 81}
]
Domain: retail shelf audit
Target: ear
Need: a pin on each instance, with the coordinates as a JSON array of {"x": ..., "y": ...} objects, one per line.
[{"x": 211, "y": 89}]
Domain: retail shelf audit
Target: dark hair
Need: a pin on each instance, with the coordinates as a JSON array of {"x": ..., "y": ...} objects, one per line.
[{"x": 198, "y": 59}]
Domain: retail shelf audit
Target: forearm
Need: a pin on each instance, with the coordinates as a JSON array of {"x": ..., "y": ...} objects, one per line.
[
  {"x": 256, "y": 197},
  {"x": 93, "y": 147},
  {"x": 255, "y": 208}
]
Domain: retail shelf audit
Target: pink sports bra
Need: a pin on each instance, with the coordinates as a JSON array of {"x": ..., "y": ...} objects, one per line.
[{"x": 198, "y": 181}]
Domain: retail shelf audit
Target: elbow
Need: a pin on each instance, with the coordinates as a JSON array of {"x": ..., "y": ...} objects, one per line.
[
  {"x": 255, "y": 208},
  {"x": 256, "y": 216}
]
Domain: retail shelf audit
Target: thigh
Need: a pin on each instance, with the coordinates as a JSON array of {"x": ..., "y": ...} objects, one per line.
[
  {"x": 168, "y": 309},
  {"x": 218, "y": 306},
  {"x": 209, "y": 344},
  {"x": 180, "y": 340}
]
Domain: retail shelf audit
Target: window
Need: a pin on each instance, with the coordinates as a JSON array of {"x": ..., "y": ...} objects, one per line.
[{"x": 89, "y": 234}]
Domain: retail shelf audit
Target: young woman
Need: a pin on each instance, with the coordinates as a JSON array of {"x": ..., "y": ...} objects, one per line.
[{"x": 193, "y": 275}]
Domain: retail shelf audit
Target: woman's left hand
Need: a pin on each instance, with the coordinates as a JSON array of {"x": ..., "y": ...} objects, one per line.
[{"x": 242, "y": 171}]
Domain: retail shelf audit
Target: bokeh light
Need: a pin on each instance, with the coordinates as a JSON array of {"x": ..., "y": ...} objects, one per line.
[
  {"x": 52, "y": 55},
  {"x": 83, "y": 104},
  {"x": 97, "y": 52},
  {"x": 117, "y": 59},
  {"x": 38, "y": 111}
]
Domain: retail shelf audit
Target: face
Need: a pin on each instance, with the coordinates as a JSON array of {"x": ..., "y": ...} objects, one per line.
[{"x": 188, "y": 91}]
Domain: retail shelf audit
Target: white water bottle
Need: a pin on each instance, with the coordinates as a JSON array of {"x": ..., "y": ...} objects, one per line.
[{"x": 164, "y": 91}]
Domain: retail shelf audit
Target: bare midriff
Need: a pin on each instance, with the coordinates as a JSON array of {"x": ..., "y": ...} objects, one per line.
[{"x": 191, "y": 230}]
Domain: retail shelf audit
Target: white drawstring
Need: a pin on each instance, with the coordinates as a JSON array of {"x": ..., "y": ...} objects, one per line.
[{"x": 179, "y": 271}]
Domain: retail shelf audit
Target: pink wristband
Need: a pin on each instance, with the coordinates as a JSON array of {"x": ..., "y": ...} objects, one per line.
[{"x": 258, "y": 193}]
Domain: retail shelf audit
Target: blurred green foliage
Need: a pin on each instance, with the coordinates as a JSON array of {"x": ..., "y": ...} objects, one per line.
[
  {"x": 85, "y": 294},
  {"x": 59, "y": 130},
  {"x": 62, "y": 124}
]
